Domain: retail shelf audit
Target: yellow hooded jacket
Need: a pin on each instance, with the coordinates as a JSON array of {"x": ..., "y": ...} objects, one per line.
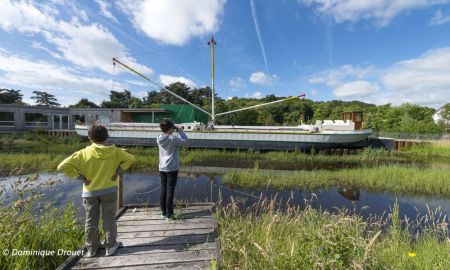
[{"x": 97, "y": 163}]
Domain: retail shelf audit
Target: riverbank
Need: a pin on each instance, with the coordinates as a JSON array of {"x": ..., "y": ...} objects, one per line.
[
  {"x": 35, "y": 235},
  {"x": 259, "y": 237},
  {"x": 440, "y": 149},
  {"x": 369, "y": 169},
  {"x": 26, "y": 153},
  {"x": 314, "y": 239},
  {"x": 393, "y": 179}
]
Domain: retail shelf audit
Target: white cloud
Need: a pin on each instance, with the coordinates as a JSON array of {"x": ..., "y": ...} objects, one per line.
[
  {"x": 355, "y": 89},
  {"x": 382, "y": 11},
  {"x": 423, "y": 80},
  {"x": 167, "y": 79},
  {"x": 174, "y": 22},
  {"x": 439, "y": 18},
  {"x": 237, "y": 83},
  {"x": 62, "y": 81},
  {"x": 140, "y": 94},
  {"x": 89, "y": 46},
  {"x": 257, "y": 95},
  {"x": 104, "y": 8},
  {"x": 139, "y": 83},
  {"x": 344, "y": 73},
  {"x": 38, "y": 45},
  {"x": 314, "y": 92},
  {"x": 262, "y": 78}
]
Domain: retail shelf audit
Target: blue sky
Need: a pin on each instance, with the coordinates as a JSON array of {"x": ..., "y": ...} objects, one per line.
[{"x": 377, "y": 51}]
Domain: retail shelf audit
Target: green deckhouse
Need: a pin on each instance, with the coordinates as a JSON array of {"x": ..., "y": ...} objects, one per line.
[{"x": 178, "y": 113}]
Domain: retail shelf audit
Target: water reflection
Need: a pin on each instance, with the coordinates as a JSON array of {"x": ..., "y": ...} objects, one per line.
[
  {"x": 351, "y": 194},
  {"x": 142, "y": 188}
]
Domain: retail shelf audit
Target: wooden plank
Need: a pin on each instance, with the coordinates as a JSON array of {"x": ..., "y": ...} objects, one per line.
[
  {"x": 150, "y": 234},
  {"x": 151, "y": 242},
  {"x": 160, "y": 220},
  {"x": 186, "y": 239},
  {"x": 150, "y": 249},
  {"x": 145, "y": 259},
  {"x": 178, "y": 206},
  {"x": 156, "y": 208},
  {"x": 165, "y": 227},
  {"x": 175, "y": 266},
  {"x": 158, "y": 212}
]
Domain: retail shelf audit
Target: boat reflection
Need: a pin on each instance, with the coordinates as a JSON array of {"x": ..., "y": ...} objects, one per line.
[{"x": 351, "y": 194}]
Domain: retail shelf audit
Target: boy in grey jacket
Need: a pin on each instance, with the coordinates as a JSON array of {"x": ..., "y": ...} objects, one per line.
[{"x": 169, "y": 154}]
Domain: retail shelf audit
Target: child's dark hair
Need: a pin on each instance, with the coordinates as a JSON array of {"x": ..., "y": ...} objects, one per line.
[
  {"x": 98, "y": 133},
  {"x": 166, "y": 124}
]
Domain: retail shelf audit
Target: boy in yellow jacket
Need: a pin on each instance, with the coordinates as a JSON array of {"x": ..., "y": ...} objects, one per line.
[{"x": 98, "y": 166}]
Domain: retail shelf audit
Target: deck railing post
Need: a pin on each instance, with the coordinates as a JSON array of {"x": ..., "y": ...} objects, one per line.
[{"x": 120, "y": 191}]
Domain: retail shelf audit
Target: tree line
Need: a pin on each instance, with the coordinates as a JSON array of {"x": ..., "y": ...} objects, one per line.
[{"x": 408, "y": 118}]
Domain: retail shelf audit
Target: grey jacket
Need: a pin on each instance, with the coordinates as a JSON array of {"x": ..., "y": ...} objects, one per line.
[{"x": 168, "y": 150}]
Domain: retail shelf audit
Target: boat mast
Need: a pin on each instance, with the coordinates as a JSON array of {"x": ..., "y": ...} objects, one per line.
[
  {"x": 162, "y": 88},
  {"x": 211, "y": 43}
]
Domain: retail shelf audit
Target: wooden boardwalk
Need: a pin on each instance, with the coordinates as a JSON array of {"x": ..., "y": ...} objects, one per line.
[{"x": 150, "y": 242}]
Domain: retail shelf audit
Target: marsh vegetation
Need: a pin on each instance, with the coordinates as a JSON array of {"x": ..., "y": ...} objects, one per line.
[{"x": 266, "y": 235}]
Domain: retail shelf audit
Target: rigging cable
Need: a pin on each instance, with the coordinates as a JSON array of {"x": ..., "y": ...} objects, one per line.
[
  {"x": 160, "y": 86},
  {"x": 179, "y": 66},
  {"x": 159, "y": 51}
]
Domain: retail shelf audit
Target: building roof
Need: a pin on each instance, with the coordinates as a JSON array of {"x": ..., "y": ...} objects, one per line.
[{"x": 159, "y": 110}]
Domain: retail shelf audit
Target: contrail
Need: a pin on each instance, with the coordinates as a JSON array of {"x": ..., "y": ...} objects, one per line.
[{"x": 255, "y": 20}]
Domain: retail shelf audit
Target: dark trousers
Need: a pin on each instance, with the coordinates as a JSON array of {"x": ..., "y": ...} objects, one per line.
[{"x": 168, "y": 183}]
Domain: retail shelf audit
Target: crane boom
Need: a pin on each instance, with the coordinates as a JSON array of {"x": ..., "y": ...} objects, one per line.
[
  {"x": 301, "y": 96},
  {"x": 213, "y": 114},
  {"x": 163, "y": 88}
]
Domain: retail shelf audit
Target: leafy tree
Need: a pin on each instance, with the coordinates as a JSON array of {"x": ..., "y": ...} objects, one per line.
[
  {"x": 178, "y": 88},
  {"x": 445, "y": 113},
  {"x": 135, "y": 102},
  {"x": 153, "y": 97},
  {"x": 201, "y": 96},
  {"x": 45, "y": 99},
  {"x": 117, "y": 99},
  {"x": 84, "y": 103},
  {"x": 10, "y": 96}
]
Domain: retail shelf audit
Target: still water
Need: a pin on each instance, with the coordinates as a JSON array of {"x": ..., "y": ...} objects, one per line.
[{"x": 192, "y": 186}]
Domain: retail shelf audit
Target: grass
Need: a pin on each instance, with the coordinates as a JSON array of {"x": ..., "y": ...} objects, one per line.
[
  {"x": 41, "y": 153},
  {"x": 314, "y": 239},
  {"x": 395, "y": 179},
  {"x": 19, "y": 163},
  {"x": 431, "y": 149},
  {"x": 27, "y": 225}
]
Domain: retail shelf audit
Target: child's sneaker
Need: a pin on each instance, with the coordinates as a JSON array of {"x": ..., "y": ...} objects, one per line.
[
  {"x": 90, "y": 253},
  {"x": 110, "y": 251}
]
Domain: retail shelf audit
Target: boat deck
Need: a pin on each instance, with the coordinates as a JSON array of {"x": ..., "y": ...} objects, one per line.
[{"x": 150, "y": 242}]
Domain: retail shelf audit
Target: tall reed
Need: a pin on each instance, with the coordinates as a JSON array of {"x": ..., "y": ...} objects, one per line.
[
  {"x": 27, "y": 225},
  {"x": 394, "y": 179},
  {"x": 431, "y": 149},
  {"x": 267, "y": 238}
]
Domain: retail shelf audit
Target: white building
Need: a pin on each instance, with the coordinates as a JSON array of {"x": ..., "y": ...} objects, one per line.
[{"x": 437, "y": 117}]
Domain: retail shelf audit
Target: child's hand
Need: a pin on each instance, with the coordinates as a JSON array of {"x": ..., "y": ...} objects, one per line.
[
  {"x": 86, "y": 182},
  {"x": 116, "y": 174},
  {"x": 83, "y": 178}
]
